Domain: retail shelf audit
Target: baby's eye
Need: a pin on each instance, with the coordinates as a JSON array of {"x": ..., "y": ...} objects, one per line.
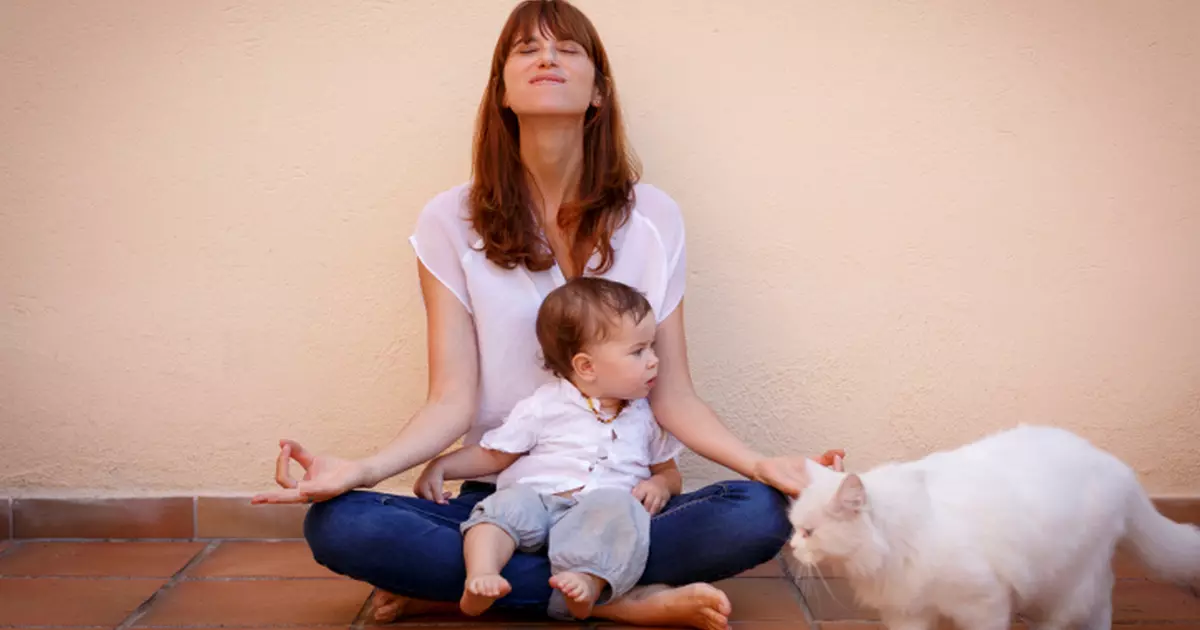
[{"x": 806, "y": 531}]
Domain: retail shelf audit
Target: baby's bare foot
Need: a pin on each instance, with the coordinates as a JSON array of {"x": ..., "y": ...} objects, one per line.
[
  {"x": 480, "y": 592},
  {"x": 581, "y": 590}
]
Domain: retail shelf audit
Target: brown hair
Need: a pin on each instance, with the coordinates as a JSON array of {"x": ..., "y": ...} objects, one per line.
[
  {"x": 500, "y": 200},
  {"x": 583, "y": 312}
]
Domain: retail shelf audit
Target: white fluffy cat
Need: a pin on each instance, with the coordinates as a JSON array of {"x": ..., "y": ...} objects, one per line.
[{"x": 1022, "y": 521}]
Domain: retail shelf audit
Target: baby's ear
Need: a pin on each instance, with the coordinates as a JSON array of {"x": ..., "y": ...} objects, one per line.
[
  {"x": 850, "y": 498},
  {"x": 584, "y": 368}
]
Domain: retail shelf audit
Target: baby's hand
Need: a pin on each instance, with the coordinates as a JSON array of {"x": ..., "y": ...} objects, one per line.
[
  {"x": 429, "y": 484},
  {"x": 653, "y": 494}
]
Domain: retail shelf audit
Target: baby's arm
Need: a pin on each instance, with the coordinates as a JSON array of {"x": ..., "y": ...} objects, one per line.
[
  {"x": 465, "y": 463},
  {"x": 474, "y": 461},
  {"x": 667, "y": 474},
  {"x": 664, "y": 482}
]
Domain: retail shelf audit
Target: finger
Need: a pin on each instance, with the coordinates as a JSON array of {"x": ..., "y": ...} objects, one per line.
[
  {"x": 310, "y": 489},
  {"x": 829, "y": 457},
  {"x": 838, "y": 465},
  {"x": 302, "y": 455},
  {"x": 283, "y": 476},
  {"x": 639, "y": 493},
  {"x": 281, "y": 496}
]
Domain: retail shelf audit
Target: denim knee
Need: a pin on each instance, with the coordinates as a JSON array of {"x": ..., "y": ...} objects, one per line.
[
  {"x": 336, "y": 532},
  {"x": 762, "y": 513}
]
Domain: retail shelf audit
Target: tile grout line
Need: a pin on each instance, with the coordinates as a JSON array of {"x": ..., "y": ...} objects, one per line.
[
  {"x": 12, "y": 545},
  {"x": 145, "y": 606},
  {"x": 809, "y": 616},
  {"x": 788, "y": 576},
  {"x": 360, "y": 619}
]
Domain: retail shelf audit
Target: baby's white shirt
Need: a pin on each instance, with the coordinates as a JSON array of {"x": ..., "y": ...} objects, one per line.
[{"x": 567, "y": 447}]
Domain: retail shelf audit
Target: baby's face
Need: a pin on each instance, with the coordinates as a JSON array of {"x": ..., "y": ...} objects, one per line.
[{"x": 625, "y": 363}]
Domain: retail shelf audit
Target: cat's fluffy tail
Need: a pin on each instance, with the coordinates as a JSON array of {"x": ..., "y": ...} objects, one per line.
[{"x": 1168, "y": 548}]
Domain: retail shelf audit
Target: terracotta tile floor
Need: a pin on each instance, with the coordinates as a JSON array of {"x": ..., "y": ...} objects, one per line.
[{"x": 276, "y": 585}]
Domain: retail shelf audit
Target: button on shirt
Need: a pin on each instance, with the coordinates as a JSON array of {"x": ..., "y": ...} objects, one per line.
[{"x": 568, "y": 447}]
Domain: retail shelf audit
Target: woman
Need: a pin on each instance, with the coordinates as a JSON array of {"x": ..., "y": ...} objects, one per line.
[{"x": 554, "y": 194}]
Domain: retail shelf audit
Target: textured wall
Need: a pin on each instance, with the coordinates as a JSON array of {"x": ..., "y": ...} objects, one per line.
[{"x": 909, "y": 224}]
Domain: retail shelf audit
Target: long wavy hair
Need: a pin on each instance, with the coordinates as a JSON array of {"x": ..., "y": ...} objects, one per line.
[{"x": 500, "y": 200}]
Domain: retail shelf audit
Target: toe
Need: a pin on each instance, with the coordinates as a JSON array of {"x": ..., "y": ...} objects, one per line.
[{"x": 714, "y": 620}]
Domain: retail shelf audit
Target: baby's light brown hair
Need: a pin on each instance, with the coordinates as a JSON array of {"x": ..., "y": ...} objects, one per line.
[{"x": 581, "y": 313}]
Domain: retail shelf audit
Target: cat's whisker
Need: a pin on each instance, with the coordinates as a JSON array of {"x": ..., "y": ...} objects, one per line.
[{"x": 821, "y": 578}]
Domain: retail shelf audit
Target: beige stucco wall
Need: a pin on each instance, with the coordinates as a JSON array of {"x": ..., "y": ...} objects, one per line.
[{"x": 909, "y": 223}]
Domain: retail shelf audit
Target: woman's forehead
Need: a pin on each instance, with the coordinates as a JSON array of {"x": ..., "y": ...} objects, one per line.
[{"x": 542, "y": 28}]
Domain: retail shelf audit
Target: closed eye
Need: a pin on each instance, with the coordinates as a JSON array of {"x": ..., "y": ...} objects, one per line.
[{"x": 806, "y": 532}]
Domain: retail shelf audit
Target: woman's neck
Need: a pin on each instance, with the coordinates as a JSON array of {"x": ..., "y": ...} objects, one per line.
[{"x": 552, "y": 152}]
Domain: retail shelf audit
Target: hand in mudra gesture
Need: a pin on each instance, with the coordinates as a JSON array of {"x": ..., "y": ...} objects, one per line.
[{"x": 325, "y": 477}]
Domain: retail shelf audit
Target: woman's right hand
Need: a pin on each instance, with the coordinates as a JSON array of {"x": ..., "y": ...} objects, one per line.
[{"x": 325, "y": 477}]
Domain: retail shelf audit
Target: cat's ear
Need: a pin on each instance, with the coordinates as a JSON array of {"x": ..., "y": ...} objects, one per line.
[{"x": 851, "y": 497}]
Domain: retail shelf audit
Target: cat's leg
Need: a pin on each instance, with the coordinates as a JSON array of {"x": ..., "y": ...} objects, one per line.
[
  {"x": 895, "y": 620},
  {"x": 991, "y": 610},
  {"x": 1089, "y": 603},
  {"x": 1101, "y": 618}
]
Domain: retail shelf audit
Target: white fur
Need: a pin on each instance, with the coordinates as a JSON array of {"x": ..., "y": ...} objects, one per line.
[{"x": 1022, "y": 521}]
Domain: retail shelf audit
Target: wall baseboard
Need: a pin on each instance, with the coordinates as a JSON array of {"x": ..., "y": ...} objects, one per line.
[{"x": 211, "y": 517}]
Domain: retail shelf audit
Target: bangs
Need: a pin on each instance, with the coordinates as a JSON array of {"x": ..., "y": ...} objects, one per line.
[{"x": 557, "y": 20}]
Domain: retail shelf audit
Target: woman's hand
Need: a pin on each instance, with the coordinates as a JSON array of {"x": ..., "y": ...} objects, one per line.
[
  {"x": 325, "y": 477},
  {"x": 787, "y": 474},
  {"x": 430, "y": 484}
]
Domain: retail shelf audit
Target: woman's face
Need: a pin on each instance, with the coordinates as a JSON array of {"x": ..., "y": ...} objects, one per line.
[{"x": 546, "y": 76}]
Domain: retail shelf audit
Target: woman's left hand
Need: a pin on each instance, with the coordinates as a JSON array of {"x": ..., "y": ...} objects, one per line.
[{"x": 787, "y": 474}]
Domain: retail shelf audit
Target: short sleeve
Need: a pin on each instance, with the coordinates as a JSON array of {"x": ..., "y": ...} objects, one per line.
[
  {"x": 663, "y": 446},
  {"x": 441, "y": 240},
  {"x": 519, "y": 432},
  {"x": 665, "y": 217}
]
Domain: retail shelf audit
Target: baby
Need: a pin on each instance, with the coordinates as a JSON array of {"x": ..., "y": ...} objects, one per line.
[{"x": 584, "y": 462}]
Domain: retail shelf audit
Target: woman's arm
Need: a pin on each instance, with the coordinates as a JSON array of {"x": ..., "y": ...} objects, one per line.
[
  {"x": 446, "y": 415},
  {"x": 681, "y": 411}
]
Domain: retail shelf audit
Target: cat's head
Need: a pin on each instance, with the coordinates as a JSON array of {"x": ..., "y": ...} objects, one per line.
[{"x": 829, "y": 518}]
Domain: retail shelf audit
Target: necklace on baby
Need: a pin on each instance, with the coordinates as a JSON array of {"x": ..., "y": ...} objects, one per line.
[{"x": 599, "y": 415}]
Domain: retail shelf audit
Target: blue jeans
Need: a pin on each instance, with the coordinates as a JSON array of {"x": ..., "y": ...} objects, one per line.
[{"x": 412, "y": 547}]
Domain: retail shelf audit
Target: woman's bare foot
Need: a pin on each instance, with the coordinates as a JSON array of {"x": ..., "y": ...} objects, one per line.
[
  {"x": 387, "y": 607},
  {"x": 481, "y": 592},
  {"x": 581, "y": 591},
  {"x": 701, "y": 606}
]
